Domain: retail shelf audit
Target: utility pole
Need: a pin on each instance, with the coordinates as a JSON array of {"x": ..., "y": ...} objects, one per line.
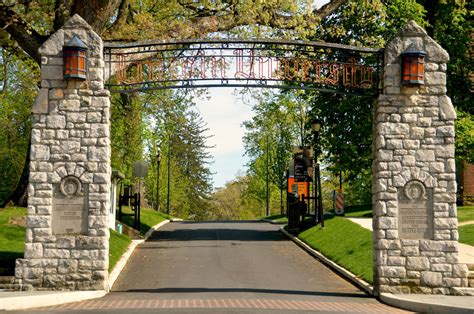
[
  {"x": 169, "y": 176},
  {"x": 267, "y": 213}
]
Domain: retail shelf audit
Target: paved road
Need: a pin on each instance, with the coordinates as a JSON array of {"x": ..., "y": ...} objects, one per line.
[{"x": 225, "y": 267}]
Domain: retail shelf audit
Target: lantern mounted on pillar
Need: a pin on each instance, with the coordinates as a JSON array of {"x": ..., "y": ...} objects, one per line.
[
  {"x": 413, "y": 66},
  {"x": 75, "y": 59}
]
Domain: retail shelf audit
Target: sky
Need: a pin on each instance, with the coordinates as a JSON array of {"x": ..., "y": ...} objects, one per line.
[{"x": 224, "y": 113}]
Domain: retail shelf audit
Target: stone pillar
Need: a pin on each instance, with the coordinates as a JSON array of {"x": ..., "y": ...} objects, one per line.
[
  {"x": 66, "y": 245},
  {"x": 414, "y": 184}
]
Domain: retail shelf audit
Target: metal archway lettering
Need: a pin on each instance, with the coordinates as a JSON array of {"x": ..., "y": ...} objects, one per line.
[{"x": 327, "y": 67}]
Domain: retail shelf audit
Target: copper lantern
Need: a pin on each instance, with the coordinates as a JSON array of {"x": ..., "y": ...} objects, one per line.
[
  {"x": 413, "y": 66},
  {"x": 75, "y": 59}
]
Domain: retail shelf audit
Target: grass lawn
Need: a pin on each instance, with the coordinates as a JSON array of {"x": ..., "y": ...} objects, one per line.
[
  {"x": 148, "y": 218},
  {"x": 12, "y": 238},
  {"x": 277, "y": 218},
  {"x": 358, "y": 211},
  {"x": 12, "y": 241},
  {"x": 466, "y": 234},
  {"x": 118, "y": 244},
  {"x": 345, "y": 243},
  {"x": 465, "y": 213}
]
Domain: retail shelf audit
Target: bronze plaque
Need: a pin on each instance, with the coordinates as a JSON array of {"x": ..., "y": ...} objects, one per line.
[
  {"x": 415, "y": 211},
  {"x": 70, "y": 212}
]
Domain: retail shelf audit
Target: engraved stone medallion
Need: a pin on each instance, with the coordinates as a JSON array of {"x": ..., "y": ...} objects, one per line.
[
  {"x": 69, "y": 207},
  {"x": 415, "y": 211}
]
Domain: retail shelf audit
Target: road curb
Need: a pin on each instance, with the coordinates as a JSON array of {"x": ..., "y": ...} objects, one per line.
[
  {"x": 128, "y": 253},
  {"x": 273, "y": 222},
  {"x": 421, "y": 306},
  {"x": 27, "y": 300},
  {"x": 363, "y": 285}
]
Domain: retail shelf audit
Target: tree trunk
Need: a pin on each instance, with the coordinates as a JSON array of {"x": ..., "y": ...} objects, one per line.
[{"x": 19, "y": 197}]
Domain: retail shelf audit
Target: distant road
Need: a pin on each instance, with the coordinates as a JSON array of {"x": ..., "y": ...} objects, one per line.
[{"x": 226, "y": 267}]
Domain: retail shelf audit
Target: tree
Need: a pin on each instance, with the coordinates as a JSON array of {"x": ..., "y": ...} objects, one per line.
[
  {"x": 277, "y": 126},
  {"x": 17, "y": 89},
  {"x": 28, "y": 24}
]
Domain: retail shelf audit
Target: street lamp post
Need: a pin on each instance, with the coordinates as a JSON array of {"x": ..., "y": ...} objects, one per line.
[
  {"x": 158, "y": 160},
  {"x": 316, "y": 128},
  {"x": 169, "y": 176},
  {"x": 267, "y": 212}
]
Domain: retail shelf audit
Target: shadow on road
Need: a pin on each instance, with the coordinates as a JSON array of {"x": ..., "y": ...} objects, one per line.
[
  {"x": 246, "y": 290},
  {"x": 217, "y": 234}
]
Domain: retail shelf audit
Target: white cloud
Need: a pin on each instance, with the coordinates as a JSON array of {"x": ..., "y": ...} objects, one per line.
[{"x": 224, "y": 113}]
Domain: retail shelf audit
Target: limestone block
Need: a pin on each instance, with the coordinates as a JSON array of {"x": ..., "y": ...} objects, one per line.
[
  {"x": 394, "y": 143},
  {"x": 33, "y": 250},
  {"x": 445, "y": 223},
  {"x": 55, "y": 121},
  {"x": 408, "y": 160},
  {"x": 70, "y": 147},
  {"x": 388, "y": 245},
  {"x": 417, "y": 133},
  {"x": 69, "y": 105},
  {"x": 410, "y": 251},
  {"x": 392, "y": 271},
  {"x": 39, "y": 152},
  {"x": 460, "y": 271},
  {"x": 431, "y": 112},
  {"x": 452, "y": 282},
  {"x": 94, "y": 117},
  {"x": 98, "y": 154},
  {"x": 438, "y": 246},
  {"x": 77, "y": 117},
  {"x": 384, "y": 155},
  {"x": 431, "y": 279},
  {"x": 52, "y": 72},
  {"x": 38, "y": 221},
  {"x": 436, "y": 167},
  {"x": 99, "y": 130},
  {"x": 409, "y": 117},
  {"x": 411, "y": 144},
  {"x": 37, "y": 177},
  {"x": 41, "y": 104},
  {"x": 390, "y": 128},
  {"x": 396, "y": 261},
  {"x": 387, "y": 223},
  {"x": 446, "y": 108},
  {"x": 391, "y": 234},
  {"x": 445, "y": 131},
  {"x": 101, "y": 178},
  {"x": 441, "y": 267},
  {"x": 435, "y": 53},
  {"x": 418, "y": 263},
  {"x": 57, "y": 253},
  {"x": 425, "y": 122},
  {"x": 425, "y": 155}
]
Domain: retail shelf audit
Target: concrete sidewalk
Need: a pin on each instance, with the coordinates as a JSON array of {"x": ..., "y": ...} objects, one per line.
[
  {"x": 21, "y": 300},
  {"x": 413, "y": 302},
  {"x": 466, "y": 252}
]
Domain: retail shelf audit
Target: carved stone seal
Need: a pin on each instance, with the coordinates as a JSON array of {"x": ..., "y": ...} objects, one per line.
[
  {"x": 415, "y": 190},
  {"x": 70, "y": 186}
]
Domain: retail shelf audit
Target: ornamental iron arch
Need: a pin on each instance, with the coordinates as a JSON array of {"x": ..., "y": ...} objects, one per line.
[{"x": 285, "y": 64}]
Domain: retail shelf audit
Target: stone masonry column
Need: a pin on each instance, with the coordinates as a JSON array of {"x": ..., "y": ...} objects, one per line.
[
  {"x": 66, "y": 245},
  {"x": 414, "y": 184}
]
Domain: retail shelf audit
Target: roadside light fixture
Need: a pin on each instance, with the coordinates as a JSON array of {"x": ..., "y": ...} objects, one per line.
[
  {"x": 413, "y": 66},
  {"x": 75, "y": 59},
  {"x": 158, "y": 160},
  {"x": 316, "y": 126}
]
